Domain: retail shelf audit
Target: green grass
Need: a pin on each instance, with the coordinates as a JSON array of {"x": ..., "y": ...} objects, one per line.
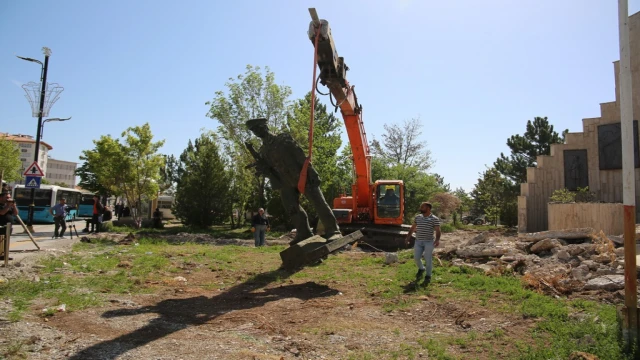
[
  {"x": 218, "y": 231},
  {"x": 86, "y": 276}
]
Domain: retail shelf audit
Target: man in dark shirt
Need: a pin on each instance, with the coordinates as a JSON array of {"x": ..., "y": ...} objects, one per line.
[
  {"x": 98, "y": 209},
  {"x": 8, "y": 209},
  {"x": 259, "y": 226}
]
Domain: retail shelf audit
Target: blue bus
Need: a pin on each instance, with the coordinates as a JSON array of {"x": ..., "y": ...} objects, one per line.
[
  {"x": 45, "y": 197},
  {"x": 85, "y": 208}
]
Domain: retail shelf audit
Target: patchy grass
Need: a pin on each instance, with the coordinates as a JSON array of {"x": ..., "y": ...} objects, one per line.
[
  {"x": 93, "y": 271},
  {"x": 218, "y": 231}
]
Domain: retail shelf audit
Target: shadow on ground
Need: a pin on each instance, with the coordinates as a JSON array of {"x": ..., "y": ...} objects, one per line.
[{"x": 179, "y": 314}]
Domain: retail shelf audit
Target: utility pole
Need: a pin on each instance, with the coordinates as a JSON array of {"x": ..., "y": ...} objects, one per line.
[
  {"x": 629, "y": 313},
  {"x": 43, "y": 79}
]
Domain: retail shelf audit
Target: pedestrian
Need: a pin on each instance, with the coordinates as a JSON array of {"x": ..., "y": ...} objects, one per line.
[
  {"x": 59, "y": 213},
  {"x": 8, "y": 210},
  {"x": 96, "y": 218},
  {"x": 426, "y": 225},
  {"x": 260, "y": 225}
]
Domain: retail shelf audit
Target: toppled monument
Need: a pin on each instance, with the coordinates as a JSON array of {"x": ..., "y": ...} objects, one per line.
[{"x": 281, "y": 159}]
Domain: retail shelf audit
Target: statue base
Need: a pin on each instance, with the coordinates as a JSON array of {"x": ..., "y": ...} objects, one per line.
[{"x": 310, "y": 250}]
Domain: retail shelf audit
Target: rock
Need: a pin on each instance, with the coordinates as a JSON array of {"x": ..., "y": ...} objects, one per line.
[
  {"x": 580, "y": 249},
  {"x": 605, "y": 270},
  {"x": 544, "y": 245},
  {"x": 581, "y": 273},
  {"x": 592, "y": 265},
  {"x": 563, "y": 255},
  {"x": 481, "y": 238},
  {"x": 619, "y": 252},
  {"x": 617, "y": 240},
  {"x": 570, "y": 234},
  {"x": 603, "y": 258},
  {"x": 523, "y": 246},
  {"x": 493, "y": 248},
  {"x": 179, "y": 279},
  {"x": 390, "y": 258},
  {"x": 609, "y": 283}
]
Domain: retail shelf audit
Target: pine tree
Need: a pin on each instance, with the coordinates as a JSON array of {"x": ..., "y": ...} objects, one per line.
[{"x": 203, "y": 188}]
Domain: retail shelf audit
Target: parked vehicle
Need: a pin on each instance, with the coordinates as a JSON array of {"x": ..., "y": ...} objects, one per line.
[
  {"x": 45, "y": 197},
  {"x": 479, "y": 220}
]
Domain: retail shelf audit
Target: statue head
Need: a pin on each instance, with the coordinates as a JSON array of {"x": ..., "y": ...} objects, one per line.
[{"x": 258, "y": 126}]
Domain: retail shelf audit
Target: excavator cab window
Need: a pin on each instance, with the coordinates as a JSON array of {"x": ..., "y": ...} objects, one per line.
[{"x": 388, "y": 201}]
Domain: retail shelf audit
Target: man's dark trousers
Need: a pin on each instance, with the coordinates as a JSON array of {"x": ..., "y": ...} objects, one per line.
[
  {"x": 59, "y": 223},
  {"x": 95, "y": 221}
]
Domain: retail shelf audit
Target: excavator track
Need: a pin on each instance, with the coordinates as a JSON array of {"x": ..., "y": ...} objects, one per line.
[{"x": 380, "y": 237}]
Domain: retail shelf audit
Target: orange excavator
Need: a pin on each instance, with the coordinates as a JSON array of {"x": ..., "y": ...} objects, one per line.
[{"x": 375, "y": 208}]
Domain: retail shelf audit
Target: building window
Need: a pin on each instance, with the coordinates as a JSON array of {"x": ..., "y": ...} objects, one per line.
[{"x": 24, "y": 150}]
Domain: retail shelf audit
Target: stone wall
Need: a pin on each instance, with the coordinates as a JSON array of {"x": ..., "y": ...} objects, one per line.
[
  {"x": 587, "y": 158},
  {"x": 605, "y": 217}
]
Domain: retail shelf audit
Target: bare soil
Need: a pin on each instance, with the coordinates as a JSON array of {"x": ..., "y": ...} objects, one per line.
[{"x": 294, "y": 319}]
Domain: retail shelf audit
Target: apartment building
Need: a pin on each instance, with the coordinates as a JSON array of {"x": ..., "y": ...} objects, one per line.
[
  {"x": 27, "y": 146},
  {"x": 60, "y": 171}
]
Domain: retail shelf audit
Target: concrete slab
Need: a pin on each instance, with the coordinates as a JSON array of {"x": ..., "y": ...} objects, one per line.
[{"x": 313, "y": 249}]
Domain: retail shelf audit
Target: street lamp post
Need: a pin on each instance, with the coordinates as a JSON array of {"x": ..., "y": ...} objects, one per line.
[
  {"x": 52, "y": 119},
  {"x": 43, "y": 79}
]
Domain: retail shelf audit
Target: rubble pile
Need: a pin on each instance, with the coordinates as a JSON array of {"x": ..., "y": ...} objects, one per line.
[{"x": 556, "y": 262}]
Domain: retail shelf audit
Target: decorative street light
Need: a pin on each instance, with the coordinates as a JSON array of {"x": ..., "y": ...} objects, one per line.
[
  {"x": 52, "y": 119},
  {"x": 42, "y": 111}
]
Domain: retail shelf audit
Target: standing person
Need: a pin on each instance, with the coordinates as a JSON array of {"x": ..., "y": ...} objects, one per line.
[
  {"x": 259, "y": 226},
  {"x": 7, "y": 211},
  {"x": 8, "y": 208},
  {"x": 98, "y": 208},
  {"x": 425, "y": 225},
  {"x": 59, "y": 213}
]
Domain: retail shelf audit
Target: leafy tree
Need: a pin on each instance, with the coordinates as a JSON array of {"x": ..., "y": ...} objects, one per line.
[
  {"x": 169, "y": 174},
  {"x": 10, "y": 164},
  {"x": 89, "y": 179},
  {"x": 466, "y": 202},
  {"x": 444, "y": 204},
  {"x": 494, "y": 196},
  {"x": 537, "y": 140},
  {"x": 441, "y": 183},
  {"x": 103, "y": 169},
  {"x": 402, "y": 145},
  {"x": 45, "y": 181},
  {"x": 143, "y": 164},
  {"x": 203, "y": 192},
  {"x": 249, "y": 95},
  {"x": 130, "y": 167}
]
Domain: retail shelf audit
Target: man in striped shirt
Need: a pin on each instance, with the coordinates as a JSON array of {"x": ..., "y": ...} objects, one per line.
[{"x": 425, "y": 225}]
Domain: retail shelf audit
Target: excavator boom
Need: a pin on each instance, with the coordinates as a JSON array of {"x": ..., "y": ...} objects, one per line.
[
  {"x": 375, "y": 208},
  {"x": 333, "y": 72}
]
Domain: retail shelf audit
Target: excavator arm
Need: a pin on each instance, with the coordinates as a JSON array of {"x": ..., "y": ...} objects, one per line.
[{"x": 333, "y": 71}]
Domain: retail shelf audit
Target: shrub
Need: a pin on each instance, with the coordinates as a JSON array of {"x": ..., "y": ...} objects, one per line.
[
  {"x": 563, "y": 196},
  {"x": 447, "y": 228}
]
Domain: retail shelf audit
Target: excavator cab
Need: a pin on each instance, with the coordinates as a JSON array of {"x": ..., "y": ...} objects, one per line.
[{"x": 389, "y": 204}]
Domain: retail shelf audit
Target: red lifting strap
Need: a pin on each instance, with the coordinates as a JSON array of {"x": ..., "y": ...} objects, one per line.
[{"x": 303, "y": 174}]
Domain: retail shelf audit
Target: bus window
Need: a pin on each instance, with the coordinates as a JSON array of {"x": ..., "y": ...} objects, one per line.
[
  {"x": 70, "y": 196},
  {"x": 23, "y": 197}
]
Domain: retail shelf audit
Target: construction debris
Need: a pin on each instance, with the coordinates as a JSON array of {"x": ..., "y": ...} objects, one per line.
[{"x": 555, "y": 262}]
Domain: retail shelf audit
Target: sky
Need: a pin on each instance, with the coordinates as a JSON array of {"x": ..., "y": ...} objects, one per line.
[{"x": 473, "y": 71}]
